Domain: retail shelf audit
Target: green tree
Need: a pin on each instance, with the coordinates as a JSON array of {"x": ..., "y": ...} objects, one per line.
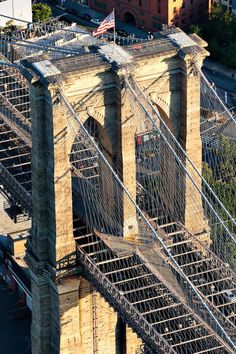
[
  {"x": 223, "y": 182},
  {"x": 220, "y": 33},
  {"x": 227, "y": 159},
  {"x": 207, "y": 173},
  {"x": 196, "y": 29},
  {"x": 41, "y": 12},
  {"x": 229, "y": 56}
]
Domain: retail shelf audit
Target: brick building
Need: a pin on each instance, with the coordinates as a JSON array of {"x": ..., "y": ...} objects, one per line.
[
  {"x": 20, "y": 9},
  {"x": 152, "y": 13}
]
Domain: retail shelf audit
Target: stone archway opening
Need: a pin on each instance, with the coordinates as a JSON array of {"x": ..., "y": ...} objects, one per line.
[
  {"x": 154, "y": 168},
  {"x": 93, "y": 195},
  {"x": 129, "y": 18},
  {"x": 83, "y": 153},
  {"x": 148, "y": 170}
]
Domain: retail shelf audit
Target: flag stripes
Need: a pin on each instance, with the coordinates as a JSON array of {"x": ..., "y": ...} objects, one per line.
[{"x": 108, "y": 22}]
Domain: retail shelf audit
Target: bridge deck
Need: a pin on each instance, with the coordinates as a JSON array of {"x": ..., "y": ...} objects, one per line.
[
  {"x": 149, "y": 304},
  {"x": 147, "y": 293}
]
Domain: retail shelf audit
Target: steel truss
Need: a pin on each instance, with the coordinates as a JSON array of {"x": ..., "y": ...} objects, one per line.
[
  {"x": 143, "y": 300},
  {"x": 138, "y": 295}
]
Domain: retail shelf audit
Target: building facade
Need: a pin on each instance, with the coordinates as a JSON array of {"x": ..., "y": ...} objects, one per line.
[
  {"x": 20, "y": 9},
  {"x": 229, "y": 5},
  {"x": 151, "y": 14}
]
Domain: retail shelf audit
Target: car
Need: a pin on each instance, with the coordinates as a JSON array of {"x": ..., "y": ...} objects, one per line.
[
  {"x": 229, "y": 295},
  {"x": 66, "y": 19},
  {"x": 96, "y": 21},
  {"x": 72, "y": 11},
  {"x": 86, "y": 17},
  {"x": 122, "y": 33},
  {"x": 3, "y": 73}
]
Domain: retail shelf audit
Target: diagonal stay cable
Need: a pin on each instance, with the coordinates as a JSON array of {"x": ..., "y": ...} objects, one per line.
[
  {"x": 215, "y": 93},
  {"x": 62, "y": 98},
  {"x": 185, "y": 155}
]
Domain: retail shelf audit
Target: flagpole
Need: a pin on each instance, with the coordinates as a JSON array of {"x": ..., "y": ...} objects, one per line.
[{"x": 114, "y": 34}]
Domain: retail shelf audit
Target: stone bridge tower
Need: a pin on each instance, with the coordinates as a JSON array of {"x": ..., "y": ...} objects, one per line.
[{"x": 69, "y": 317}]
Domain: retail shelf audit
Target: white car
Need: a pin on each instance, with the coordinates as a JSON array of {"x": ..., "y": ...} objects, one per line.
[
  {"x": 229, "y": 295},
  {"x": 96, "y": 21}
]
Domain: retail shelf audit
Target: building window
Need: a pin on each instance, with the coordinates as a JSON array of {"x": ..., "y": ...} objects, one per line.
[
  {"x": 183, "y": 21},
  {"x": 174, "y": 10},
  {"x": 159, "y": 10},
  {"x": 183, "y": 5},
  {"x": 140, "y": 3}
]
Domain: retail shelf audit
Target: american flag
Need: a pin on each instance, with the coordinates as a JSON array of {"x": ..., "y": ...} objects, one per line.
[{"x": 108, "y": 22}]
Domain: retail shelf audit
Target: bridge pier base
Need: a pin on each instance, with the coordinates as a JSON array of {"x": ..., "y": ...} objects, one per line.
[{"x": 72, "y": 318}]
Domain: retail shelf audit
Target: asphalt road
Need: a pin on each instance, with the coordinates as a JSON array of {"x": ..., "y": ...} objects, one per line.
[
  {"x": 139, "y": 33},
  {"x": 14, "y": 333},
  {"x": 222, "y": 84}
]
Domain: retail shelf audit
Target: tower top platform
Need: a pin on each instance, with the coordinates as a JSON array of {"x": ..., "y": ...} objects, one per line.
[{"x": 88, "y": 53}]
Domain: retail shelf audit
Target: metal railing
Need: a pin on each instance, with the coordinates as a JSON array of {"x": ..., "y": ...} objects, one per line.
[
  {"x": 19, "y": 193},
  {"x": 125, "y": 309}
]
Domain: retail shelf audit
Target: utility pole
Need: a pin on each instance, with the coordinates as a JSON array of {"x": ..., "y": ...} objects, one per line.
[{"x": 13, "y": 12}]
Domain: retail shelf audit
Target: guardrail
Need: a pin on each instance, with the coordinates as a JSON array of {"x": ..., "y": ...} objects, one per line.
[{"x": 18, "y": 192}]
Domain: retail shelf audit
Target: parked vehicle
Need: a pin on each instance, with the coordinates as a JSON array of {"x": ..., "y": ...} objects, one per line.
[
  {"x": 73, "y": 11},
  {"x": 229, "y": 296},
  {"x": 96, "y": 21},
  {"x": 66, "y": 19},
  {"x": 85, "y": 17},
  {"x": 122, "y": 33}
]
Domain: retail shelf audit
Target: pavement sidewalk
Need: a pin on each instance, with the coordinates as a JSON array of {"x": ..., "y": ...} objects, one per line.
[{"x": 221, "y": 69}]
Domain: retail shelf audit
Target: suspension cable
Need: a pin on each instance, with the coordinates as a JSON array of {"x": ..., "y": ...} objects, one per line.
[{"x": 62, "y": 97}]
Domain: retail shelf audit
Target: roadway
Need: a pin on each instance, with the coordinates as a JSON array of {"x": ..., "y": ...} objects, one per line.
[
  {"x": 222, "y": 83},
  {"x": 82, "y": 9},
  {"x": 183, "y": 253}
]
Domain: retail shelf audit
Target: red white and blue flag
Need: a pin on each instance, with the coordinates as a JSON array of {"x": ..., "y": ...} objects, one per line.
[{"x": 108, "y": 22}]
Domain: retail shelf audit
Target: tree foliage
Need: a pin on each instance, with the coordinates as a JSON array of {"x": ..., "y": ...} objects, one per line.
[
  {"x": 220, "y": 33},
  {"x": 224, "y": 185},
  {"x": 196, "y": 29},
  {"x": 41, "y": 12}
]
